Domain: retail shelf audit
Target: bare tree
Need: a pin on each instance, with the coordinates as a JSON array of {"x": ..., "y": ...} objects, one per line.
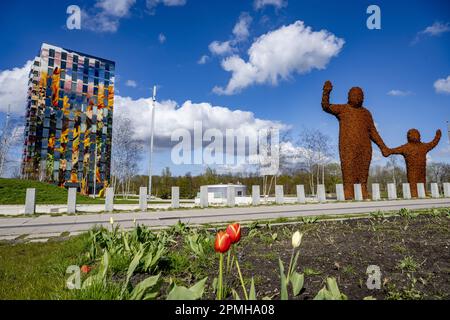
[
  {"x": 267, "y": 156},
  {"x": 438, "y": 172},
  {"x": 126, "y": 153},
  {"x": 11, "y": 134},
  {"x": 317, "y": 151}
]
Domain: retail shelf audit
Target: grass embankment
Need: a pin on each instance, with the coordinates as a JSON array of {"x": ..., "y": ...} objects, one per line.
[
  {"x": 12, "y": 191},
  {"x": 38, "y": 270}
]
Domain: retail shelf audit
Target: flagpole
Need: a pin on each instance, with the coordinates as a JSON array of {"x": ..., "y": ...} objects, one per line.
[{"x": 152, "y": 128}]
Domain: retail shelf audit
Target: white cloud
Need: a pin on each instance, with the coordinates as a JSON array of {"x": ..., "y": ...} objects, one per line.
[
  {"x": 203, "y": 59},
  {"x": 161, "y": 38},
  {"x": 442, "y": 85},
  {"x": 99, "y": 22},
  {"x": 170, "y": 116},
  {"x": 435, "y": 30},
  {"x": 399, "y": 93},
  {"x": 106, "y": 15},
  {"x": 131, "y": 83},
  {"x": 259, "y": 4},
  {"x": 115, "y": 8},
  {"x": 221, "y": 48},
  {"x": 241, "y": 28},
  {"x": 279, "y": 54},
  {"x": 240, "y": 33},
  {"x": 13, "y": 88},
  {"x": 152, "y": 4}
]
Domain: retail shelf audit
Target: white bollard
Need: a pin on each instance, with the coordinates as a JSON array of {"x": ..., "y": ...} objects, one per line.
[
  {"x": 446, "y": 190},
  {"x": 340, "y": 196},
  {"x": 279, "y": 195},
  {"x": 392, "y": 191},
  {"x": 256, "y": 195},
  {"x": 204, "y": 196},
  {"x": 231, "y": 193},
  {"x": 72, "y": 200},
  {"x": 376, "y": 192},
  {"x": 109, "y": 200},
  {"x": 321, "y": 196},
  {"x": 30, "y": 201},
  {"x": 143, "y": 198},
  {"x": 175, "y": 199},
  {"x": 301, "y": 194},
  {"x": 421, "y": 191},
  {"x": 435, "y": 190},
  {"x": 358, "y": 192},
  {"x": 406, "y": 191}
]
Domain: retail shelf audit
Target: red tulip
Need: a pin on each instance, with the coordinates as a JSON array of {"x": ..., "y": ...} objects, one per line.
[
  {"x": 85, "y": 269},
  {"x": 223, "y": 242},
  {"x": 234, "y": 231}
]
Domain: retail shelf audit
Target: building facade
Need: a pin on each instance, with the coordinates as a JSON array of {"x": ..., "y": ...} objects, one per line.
[{"x": 69, "y": 116}]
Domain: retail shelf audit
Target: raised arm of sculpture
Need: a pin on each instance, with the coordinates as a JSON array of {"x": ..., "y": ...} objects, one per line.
[
  {"x": 432, "y": 144},
  {"x": 334, "y": 109}
]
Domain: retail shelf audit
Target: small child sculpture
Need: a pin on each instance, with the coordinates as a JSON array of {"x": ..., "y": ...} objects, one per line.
[{"x": 415, "y": 154}]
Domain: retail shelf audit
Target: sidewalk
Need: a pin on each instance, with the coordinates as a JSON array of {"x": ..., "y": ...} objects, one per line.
[{"x": 45, "y": 225}]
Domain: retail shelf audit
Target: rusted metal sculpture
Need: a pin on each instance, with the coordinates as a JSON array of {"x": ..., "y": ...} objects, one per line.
[
  {"x": 415, "y": 154},
  {"x": 356, "y": 131}
]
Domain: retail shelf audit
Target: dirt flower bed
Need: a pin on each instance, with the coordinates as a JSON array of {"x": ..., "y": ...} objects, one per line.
[{"x": 413, "y": 256}]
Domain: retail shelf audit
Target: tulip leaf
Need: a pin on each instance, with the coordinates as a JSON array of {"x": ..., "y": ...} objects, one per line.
[
  {"x": 133, "y": 265},
  {"x": 330, "y": 291},
  {"x": 252, "y": 295},
  {"x": 297, "y": 282},
  {"x": 140, "y": 289},
  {"x": 235, "y": 295},
  {"x": 182, "y": 293},
  {"x": 283, "y": 292},
  {"x": 198, "y": 288}
]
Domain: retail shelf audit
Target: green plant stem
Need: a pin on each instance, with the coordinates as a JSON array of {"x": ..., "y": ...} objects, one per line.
[
  {"x": 242, "y": 280},
  {"x": 228, "y": 261},
  {"x": 290, "y": 266},
  {"x": 220, "y": 284}
]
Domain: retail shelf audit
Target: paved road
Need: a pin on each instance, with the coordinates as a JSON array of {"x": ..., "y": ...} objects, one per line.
[{"x": 44, "y": 227}]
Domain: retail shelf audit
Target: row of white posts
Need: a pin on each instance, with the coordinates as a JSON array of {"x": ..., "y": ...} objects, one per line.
[
  {"x": 321, "y": 194},
  {"x": 30, "y": 200}
]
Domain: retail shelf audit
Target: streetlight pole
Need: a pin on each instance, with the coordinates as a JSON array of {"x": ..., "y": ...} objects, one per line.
[{"x": 152, "y": 128}]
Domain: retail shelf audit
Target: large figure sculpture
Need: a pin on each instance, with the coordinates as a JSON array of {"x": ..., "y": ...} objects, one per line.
[
  {"x": 415, "y": 154},
  {"x": 356, "y": 131}
]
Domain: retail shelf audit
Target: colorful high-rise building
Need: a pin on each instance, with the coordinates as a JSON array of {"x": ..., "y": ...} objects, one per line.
[{"x": 69, "y": 116}]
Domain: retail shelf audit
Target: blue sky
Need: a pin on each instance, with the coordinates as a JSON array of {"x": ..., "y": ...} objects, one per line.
[{"x": 402, "y": 56}]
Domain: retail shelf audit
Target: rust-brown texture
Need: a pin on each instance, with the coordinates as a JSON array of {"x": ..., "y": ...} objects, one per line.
[
  {"x": 415, "y": 154},
  {"x": 356, "y": 131}
]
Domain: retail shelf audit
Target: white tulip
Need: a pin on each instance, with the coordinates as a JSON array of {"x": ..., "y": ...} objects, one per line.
[
  {"x": 297, "y": 239},
  {"x": 111, "y": 220}
]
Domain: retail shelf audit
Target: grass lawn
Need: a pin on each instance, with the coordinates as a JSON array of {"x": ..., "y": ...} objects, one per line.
[
  {"x": 12, "y": 191},
  {"x": 37, "y": 270}
]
